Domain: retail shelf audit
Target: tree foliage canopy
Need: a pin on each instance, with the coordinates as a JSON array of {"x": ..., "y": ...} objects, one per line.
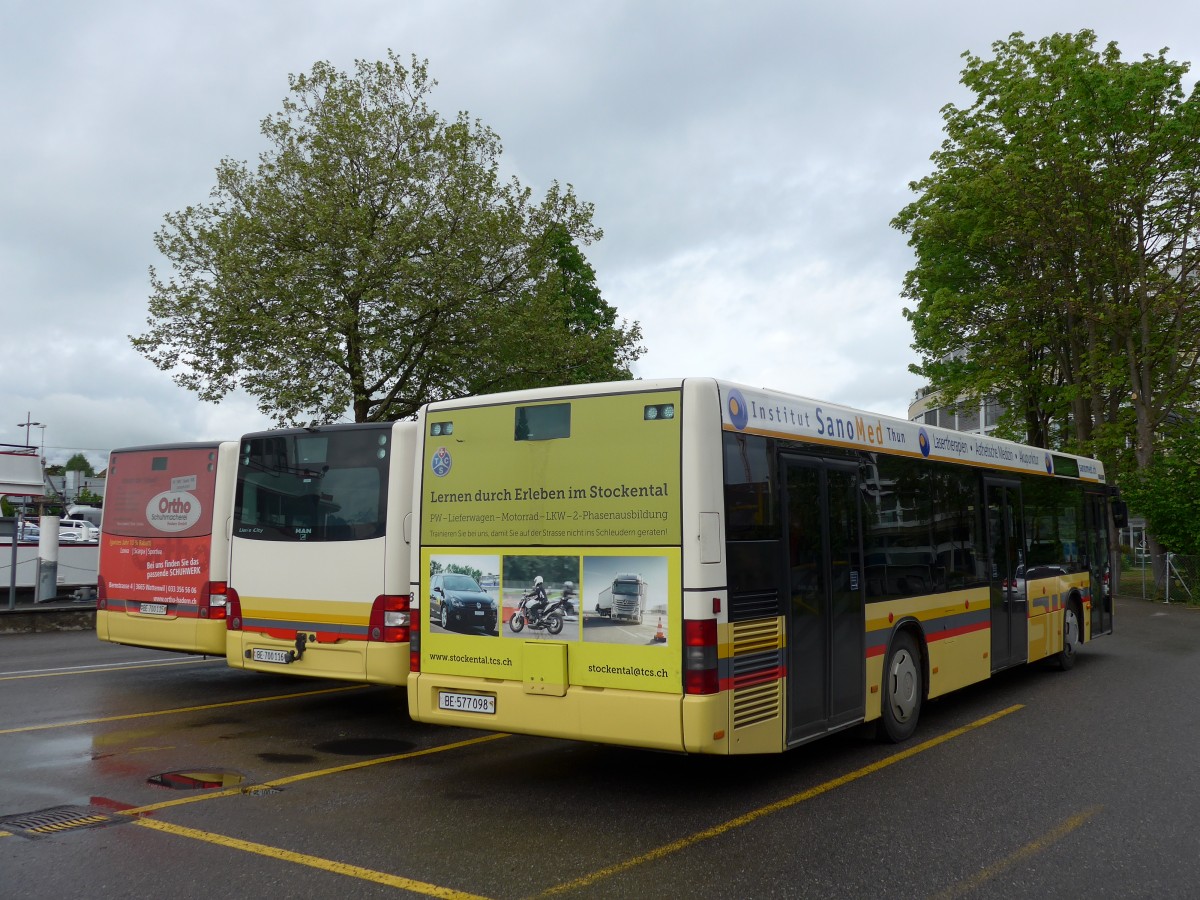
[
  {"x": 1056, "y": 244},
  {"x": 1165, "y": 491},
  {"x": 375, "y": 261}
]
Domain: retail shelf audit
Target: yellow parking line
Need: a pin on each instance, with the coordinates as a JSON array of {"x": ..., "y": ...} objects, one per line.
[
  {"x": 180, "y": 709},
  {"x": 316, "y": 862},
  {"x": 304, "y": 776},
  {"x": 754, "y": 815},
  {"x": 1030, "y": 849}
]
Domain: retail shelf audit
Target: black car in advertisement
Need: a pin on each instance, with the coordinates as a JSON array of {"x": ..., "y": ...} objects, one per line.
[{"x": 457, "y": 601}]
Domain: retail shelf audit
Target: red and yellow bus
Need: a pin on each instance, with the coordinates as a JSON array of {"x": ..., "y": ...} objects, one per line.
[
  {"x": 800, "y": 567},
  {"x": 164, "y": 547},
  {"x": 319, "y": 552}
]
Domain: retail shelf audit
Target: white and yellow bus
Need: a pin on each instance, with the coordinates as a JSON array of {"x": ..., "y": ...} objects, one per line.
[
  {"x": 164, "y": 547},
  {"x": 319, "y": 553},
  {"x": 800, "y": 567}
]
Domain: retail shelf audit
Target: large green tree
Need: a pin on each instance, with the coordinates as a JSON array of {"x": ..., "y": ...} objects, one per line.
[
  {"x": 374, "y": 261},
  {"x": 1056, "y": 245}
]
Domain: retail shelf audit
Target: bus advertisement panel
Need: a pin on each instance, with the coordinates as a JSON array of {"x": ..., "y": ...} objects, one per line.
[
  {"x": 164, "y": 547},
  {"x": 560, "y": 508}
]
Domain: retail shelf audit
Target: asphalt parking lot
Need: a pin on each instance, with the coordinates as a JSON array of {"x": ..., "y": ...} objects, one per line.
[{"x": 131, "y": 772}]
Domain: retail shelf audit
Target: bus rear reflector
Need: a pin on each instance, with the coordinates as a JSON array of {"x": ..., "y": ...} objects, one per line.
[
  {"x": 390, "y": 619},
  {"x": 700, "y": 656},
  {"x": 233, "y": 610}
]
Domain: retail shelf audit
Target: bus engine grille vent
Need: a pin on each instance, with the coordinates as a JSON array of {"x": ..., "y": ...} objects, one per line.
[
  {"x": 756, "y": 671},
  {"x": 747, "y": 605}
]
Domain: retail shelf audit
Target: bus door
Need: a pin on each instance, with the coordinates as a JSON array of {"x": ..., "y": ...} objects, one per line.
[
  {"x": 825, "y": 612},
  {"x": 1096, "y": 517},
  {"x": 1010, "y": 623}
]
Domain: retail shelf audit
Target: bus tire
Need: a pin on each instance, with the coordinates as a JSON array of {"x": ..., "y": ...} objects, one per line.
[
  {"x": 1072, "y": 633},
  {"x": 554, "y": 622},
  {"x": 903, "y": 690},
  {"x": 517, "y": 622}
]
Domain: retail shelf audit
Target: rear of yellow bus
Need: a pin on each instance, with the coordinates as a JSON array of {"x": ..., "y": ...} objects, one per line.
[
  {"x": 577, "y": 487},
  {"x": 163, "y": 575},
  {"x": 319, "y": 555}
]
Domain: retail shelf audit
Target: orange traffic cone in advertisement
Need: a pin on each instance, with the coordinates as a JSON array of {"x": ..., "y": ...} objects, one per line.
[{"x": 659, "y": 637}]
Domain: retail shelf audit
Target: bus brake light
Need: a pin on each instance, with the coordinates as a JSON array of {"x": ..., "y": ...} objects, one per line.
[
  {"x": 700, "y": 657},
  {"x": 101, "y": 593},
  {"x": 390, "y": 619}
]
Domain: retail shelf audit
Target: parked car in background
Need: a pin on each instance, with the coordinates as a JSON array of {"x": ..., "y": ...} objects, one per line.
[{"x": 77, "y": 531}]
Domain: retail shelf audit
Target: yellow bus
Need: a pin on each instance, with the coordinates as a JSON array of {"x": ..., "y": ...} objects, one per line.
[
  {"x": 790, "y": 567},
  {"x": 319, "y": 552},
  {"x": 164, "y": 547}
]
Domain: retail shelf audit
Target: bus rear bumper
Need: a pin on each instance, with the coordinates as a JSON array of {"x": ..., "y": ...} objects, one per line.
[
  {"x": 179, "y": 633},
  {"x": 629, "y": 718},
  {"x": 348, "y": 660}
]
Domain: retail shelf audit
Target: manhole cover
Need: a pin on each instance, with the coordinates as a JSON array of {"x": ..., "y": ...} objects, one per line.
[{"x": 57, "y": 819}]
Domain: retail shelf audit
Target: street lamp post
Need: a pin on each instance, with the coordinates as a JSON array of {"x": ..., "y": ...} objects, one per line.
[{"x": 27, "y": 424}]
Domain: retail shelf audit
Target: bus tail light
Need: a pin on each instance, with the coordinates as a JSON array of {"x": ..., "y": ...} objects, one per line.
[
  {"x": 233, "y": 610},
  {"x": 101, "y": 593},
  {"x": 390, "y": 619},
  {"x": 218, "y": 600},
  {"x": 414, "y": 644},
  {"x": 700, "y": 674}
]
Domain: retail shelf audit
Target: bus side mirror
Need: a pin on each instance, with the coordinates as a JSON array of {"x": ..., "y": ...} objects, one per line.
[{"x": 1120, "y": 512}]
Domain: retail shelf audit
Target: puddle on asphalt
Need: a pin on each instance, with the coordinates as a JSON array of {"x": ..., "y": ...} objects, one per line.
[
  {"x": 287, "y": 757},
  {"x": 364, "y": 747},
  {"x": 196, "y": 780}
]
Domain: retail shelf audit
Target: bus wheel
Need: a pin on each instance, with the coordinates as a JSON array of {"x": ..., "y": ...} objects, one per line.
[
  {"x": 517, "y": 622},
  {"x": 1071, "y": 632},
  {"x": 554, "y": 622},
  {"x": 903, "y": 690}
]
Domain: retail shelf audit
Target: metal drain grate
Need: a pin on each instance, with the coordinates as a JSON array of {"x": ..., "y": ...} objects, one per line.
[{"x": 57, "y": 819}]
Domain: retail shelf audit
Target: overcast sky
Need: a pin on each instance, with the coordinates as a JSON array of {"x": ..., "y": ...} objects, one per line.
[{"x": 745, "y": 160}]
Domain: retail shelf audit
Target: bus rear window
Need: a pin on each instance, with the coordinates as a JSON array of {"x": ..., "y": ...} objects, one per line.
[
  {"x": 330, "y": 486},
  {"x": 154, "y": 495},
  {"x": 543, "y": 423}
]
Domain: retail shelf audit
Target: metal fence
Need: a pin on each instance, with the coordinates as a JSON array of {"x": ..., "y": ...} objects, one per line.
[{"x": 1178, "y": 580}]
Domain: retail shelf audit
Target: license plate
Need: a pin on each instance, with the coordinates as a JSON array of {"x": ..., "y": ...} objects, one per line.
[
  {"x": 272, "y": 656},
  {"x": 472, "y": 703},
  {"x": 479, "y": 612},
  {"x": 153, "y": 609}
]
